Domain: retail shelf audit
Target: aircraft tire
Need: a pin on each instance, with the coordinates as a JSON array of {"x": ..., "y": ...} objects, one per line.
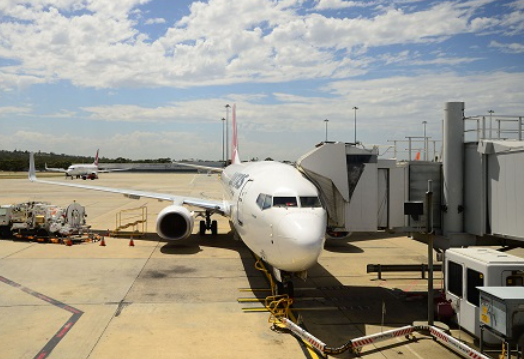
[
  {"x": 214, "y": 228},
  {"x": 202, "y": 230},
  {"x": 286, "y": 288},
  {"x": 5, "y": 232}
]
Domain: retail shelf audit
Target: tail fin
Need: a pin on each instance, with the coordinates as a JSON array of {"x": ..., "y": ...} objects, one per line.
[
  {"x": 96, "y": 158},
  {"x": 234, "y": 142},
  {"x": 31, "y": 174}
]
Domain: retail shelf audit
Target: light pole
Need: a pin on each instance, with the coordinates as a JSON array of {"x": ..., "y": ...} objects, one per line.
[
  {"x": 425, "y": 141},
  {"x": 355, "y": 108},
  {"x": 223, "y": 140},
  {"x": 326, "y": 121},
  {"x": 227, "y": 134}
]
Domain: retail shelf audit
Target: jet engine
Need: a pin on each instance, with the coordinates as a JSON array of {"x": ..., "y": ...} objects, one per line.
[{"x": 174, "y": 223}]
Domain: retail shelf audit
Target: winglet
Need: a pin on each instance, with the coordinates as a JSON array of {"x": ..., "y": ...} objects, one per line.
[
  {"x": 234, "y": 154},
  {"x": 32, "y": 171}
]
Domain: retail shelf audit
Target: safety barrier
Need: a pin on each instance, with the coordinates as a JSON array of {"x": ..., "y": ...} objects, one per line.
[
  {"x": 381, "y": 268},
  {"x": 357, "y": 343}
]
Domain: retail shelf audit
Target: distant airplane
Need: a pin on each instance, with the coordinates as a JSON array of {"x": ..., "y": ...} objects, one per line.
[
  {"x": 84, "y": 170},
  {"x": 273, "y": 208}
]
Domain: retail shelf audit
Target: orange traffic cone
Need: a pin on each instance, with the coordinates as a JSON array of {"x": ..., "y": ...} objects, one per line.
[
  {"x": 131, "y": 243},
  {"x": 103, "y": 242},
  {"x": 69, "y": 242}
]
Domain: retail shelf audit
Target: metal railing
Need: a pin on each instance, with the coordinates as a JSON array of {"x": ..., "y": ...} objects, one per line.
[
  {"x": 500, "y": 127},
  {"x": 416, "y": 145}
]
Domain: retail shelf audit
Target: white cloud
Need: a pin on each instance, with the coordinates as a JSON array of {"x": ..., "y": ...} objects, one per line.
[
  {"x": 157, "y": 20},
  {"x": 14, "y": 110},
  {"x": 265, "y": 41},
  {"x": 177, "y": 145},
  {"x": 518, "y": 4},
  {"x": 513, "y": 48},
  {"x": 341, "y": 4}
]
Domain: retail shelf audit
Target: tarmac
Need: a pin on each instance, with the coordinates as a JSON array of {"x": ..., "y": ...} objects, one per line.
[{"x": 160, "y": 299}]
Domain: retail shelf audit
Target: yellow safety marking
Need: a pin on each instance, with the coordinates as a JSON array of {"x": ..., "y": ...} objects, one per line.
[
  {"x": 249, "y": 300},
  {"x": 258, "y": 310},
  {"x": 254, "y": 290},
  {"x": 313, "y": 353},
  {"x": 278, "y": 305}
]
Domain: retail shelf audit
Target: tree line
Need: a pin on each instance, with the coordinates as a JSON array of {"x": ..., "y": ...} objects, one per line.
[{"x": 19, "y": 160}]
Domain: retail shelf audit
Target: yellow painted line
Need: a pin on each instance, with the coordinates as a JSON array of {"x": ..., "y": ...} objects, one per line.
[
  {"x": 313, "y": 353},
  {"x": 254, "y": 290},
  {"x": 250, "y": 300},
  {"x": 256, "y": 310}
]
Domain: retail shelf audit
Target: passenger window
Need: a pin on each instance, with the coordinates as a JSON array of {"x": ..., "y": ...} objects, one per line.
[
  {"x": 285, "y": 202},
  {"x": 474, "y": 279},
  {"x": 309, "y": 202},
  {"x": 455, "y": 278}
]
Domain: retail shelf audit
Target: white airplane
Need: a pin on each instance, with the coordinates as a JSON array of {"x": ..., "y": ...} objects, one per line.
[
  {"x": 273, "y": 208},
  {"x": 83, "y": 170}
]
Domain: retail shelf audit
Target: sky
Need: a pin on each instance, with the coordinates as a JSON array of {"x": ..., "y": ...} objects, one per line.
[{"x": 152, "y": 78}]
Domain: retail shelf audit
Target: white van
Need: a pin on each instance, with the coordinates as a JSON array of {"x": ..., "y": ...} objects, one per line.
[{"x": 469, "y": 268}]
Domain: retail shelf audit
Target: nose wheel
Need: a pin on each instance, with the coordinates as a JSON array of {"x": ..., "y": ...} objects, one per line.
[
  {"x": 286, "y": 288},
  {"x": 208, "y": 224}
]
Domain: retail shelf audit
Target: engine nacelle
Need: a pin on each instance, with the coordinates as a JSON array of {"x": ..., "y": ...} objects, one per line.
[{"x": 174, "y": 222}]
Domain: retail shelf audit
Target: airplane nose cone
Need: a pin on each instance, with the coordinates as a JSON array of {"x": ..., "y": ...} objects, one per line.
[{"x": 301, "y": 238}]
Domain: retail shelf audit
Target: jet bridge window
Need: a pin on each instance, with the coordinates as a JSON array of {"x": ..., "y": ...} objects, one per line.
[
  {"x": 264, "y": 201},
  {"x": 285, "y": 202},
  {"x": 309, "y": 202}
]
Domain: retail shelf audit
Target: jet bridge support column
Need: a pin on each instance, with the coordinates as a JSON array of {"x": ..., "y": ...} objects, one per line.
[{"x": 452, "y": 169}]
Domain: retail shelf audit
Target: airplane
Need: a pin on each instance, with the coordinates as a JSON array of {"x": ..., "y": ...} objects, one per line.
[
  {"x": 273, "y": 208},
  {"x": 83, "y": 170}
]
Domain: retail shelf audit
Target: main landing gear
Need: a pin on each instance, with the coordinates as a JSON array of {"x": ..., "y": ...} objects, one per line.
[{"x": 208, "y": 224}]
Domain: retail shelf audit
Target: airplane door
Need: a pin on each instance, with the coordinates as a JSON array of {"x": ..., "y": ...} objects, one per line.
[{"x": 240, "y": 203}]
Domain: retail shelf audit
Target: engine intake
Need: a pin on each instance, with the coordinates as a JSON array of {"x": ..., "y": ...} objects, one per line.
[{"x": 174, "y": 223}]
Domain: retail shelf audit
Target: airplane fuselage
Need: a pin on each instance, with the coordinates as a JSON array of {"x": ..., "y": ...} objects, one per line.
[
  {"x": 277, "y": 213},
  {"x": 82, "y": 170}
]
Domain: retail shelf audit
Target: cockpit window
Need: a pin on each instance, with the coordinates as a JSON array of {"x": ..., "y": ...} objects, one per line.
[
  {"x": 267, "y": 202},
  {"x": 309, "y": 202},
  {"x": 285, "y": 202},
  {"x": 264, "y": 201}
]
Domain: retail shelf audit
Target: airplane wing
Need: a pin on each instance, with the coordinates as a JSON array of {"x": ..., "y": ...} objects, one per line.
[
  {"x": 61, "y": 170},
  {"x": 221, "y": 207},
  {"x": 108, "y": 170},
  {"x": 207, "y": 168}
]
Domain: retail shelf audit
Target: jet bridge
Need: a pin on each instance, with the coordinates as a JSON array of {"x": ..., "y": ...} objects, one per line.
[
  {"x": 477, "y": 196},
  {"x": 355, "y": 187}
]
